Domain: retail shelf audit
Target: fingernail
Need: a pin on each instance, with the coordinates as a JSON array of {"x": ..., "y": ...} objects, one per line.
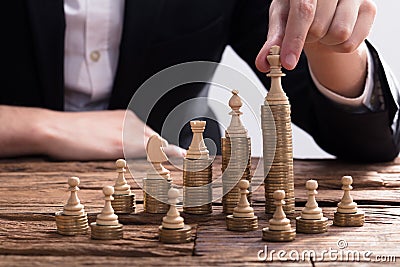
[{"x": 291, "y": 60}]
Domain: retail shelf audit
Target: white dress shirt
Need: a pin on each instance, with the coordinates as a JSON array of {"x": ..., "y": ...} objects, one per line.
[{"x": 92, "y": 40}]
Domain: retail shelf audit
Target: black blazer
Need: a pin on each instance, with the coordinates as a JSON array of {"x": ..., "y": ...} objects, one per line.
[{"x": 158, "y": 34}]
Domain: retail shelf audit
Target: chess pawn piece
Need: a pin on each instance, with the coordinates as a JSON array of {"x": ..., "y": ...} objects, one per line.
[
  {"x": 158, "y": 180},
  {"x": 347, "y": 213},
  {"x": 73, "y": 206},
  {"x": 173, "y": 229},
  {"x": 311, "y": 220},
  {"x": 73, "y": 219},
  {"x": 107, "y": 226},
  {"x": 124, "y": 199},
  {"x": 197, "y": 148},
  {"x": 279, "y": 226},
  {"x": 243, "y": 218}
]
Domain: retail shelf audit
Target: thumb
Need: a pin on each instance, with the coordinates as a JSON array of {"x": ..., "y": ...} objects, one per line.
[{"x": 278, "y": 15}]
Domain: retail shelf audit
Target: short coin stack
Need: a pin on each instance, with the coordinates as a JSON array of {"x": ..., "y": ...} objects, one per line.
[
  {"x": 311, "y": 220},
  {"x": 158, "y": 181},
  {"x": 197, "y": 174},
  {"x": 124, "y": 199},
  {"x": 243, "y": 218},
  {"x": 279, "y": 229},
  {"x": 73, "y": 219},
  {"x": 173, "y": 229},
  {"x": 347, "y": 213},
  {"x": 107, "y": 226},
  {"x": 236, "y": 157},
  {"x": 280, "y": 175}
]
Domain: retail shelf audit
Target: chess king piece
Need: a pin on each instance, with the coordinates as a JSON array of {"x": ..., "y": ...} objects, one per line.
[
  {"x": 197, "y": 174},
  {"x": 279, "y": 229},
  {"x": 243, "y": 218},
  {"x": 277, "y": 137},
  {"x": 107, "y": 226},
  {"x": 124, "y": 199},
  {"x": 158, "y": 180},
  {"x": 236, "y": 156},
  {"x": 173, "y": 229},
  {"x": 311, "y": 220},
  {"x": 347, "y": 213},
  {"x": 73, "y": 219}
]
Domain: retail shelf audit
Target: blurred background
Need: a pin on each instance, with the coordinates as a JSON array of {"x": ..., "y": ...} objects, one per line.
[{"x": 385, "y": 36}]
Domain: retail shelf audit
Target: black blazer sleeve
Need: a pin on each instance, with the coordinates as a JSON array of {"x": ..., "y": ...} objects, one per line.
[{"x": 368, "y": 136}]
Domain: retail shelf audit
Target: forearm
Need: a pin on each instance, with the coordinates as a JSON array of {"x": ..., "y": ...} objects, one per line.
[
  {"x": 342, "y": 73},
  {"x": 20, "y": 131}
]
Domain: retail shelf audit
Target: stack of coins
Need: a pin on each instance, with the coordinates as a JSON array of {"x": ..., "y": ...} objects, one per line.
[
  {"x": 279, "y": 229},
  {"x": 347, "y": 213},
  {"x": 243, "y": 218},
  {"x": 73, "y": 219},
  {"x": 343, "y": 219},
  {"x": 155, "y": 194},
  {"x": 280, "y": 175},
  {"x": 236, "y": 166},
  {"x": 107, "y": 226},
  {"x": 173, "y": 229},
  {"x": 197, "y": 192},
  {"x": 311, "y": 220},
  {"x": 124, "y": 199}
]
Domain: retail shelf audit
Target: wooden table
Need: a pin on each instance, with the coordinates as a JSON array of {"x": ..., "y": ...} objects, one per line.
[{"x": 32, "y": 190}]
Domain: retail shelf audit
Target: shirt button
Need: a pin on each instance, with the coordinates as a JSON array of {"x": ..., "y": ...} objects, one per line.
[{"x": 95, "y": 56}]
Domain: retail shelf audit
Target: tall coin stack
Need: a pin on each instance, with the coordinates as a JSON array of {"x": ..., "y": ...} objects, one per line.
[
  {"x": 197, "y": 174},
  {"x": 107, "y": 226},
  {"x": 124, "y": 199},
  {"x": 73, "y": 219},
  {"x": 280, "y": 175},
  {"x": 236, "y": 157},
  {"x": 158, "y": 181}
]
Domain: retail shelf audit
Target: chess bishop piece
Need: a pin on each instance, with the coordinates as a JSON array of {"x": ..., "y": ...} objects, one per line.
[
  {"x": 243, "y": 218},
  {"x": 124, "y": 199},
  {"x": 279, "y": 229},
  {"x": 236, "y": 157},
  {"x": 173, "y": 229},
  {"x": 347, "y": 213},
  {"x": 107, "y": 226},
  {"x": 311, "y": 220},
  {"x": 73, "y": 219}
]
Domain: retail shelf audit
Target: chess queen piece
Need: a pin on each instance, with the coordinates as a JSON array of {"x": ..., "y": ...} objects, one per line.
[
  {"x": 124, "y": 199},
  {"x": 73, "y": 219},
  {"x": 243, "y": 218},
  {"x": 280, "y": 229},
  {"x": 107, "y": 226},
  {"x": 173, "y": 229},
  {"x": 347, "y": 213},
  {"x": 312, "y": 220}
]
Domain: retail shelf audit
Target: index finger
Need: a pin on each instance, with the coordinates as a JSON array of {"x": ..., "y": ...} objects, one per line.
[{"x": 301, "y": 16}]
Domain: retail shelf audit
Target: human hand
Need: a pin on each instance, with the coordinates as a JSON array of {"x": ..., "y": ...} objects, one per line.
[
  {"x": 318, "y": 26},
  {"x": 97, "y": 135}
]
